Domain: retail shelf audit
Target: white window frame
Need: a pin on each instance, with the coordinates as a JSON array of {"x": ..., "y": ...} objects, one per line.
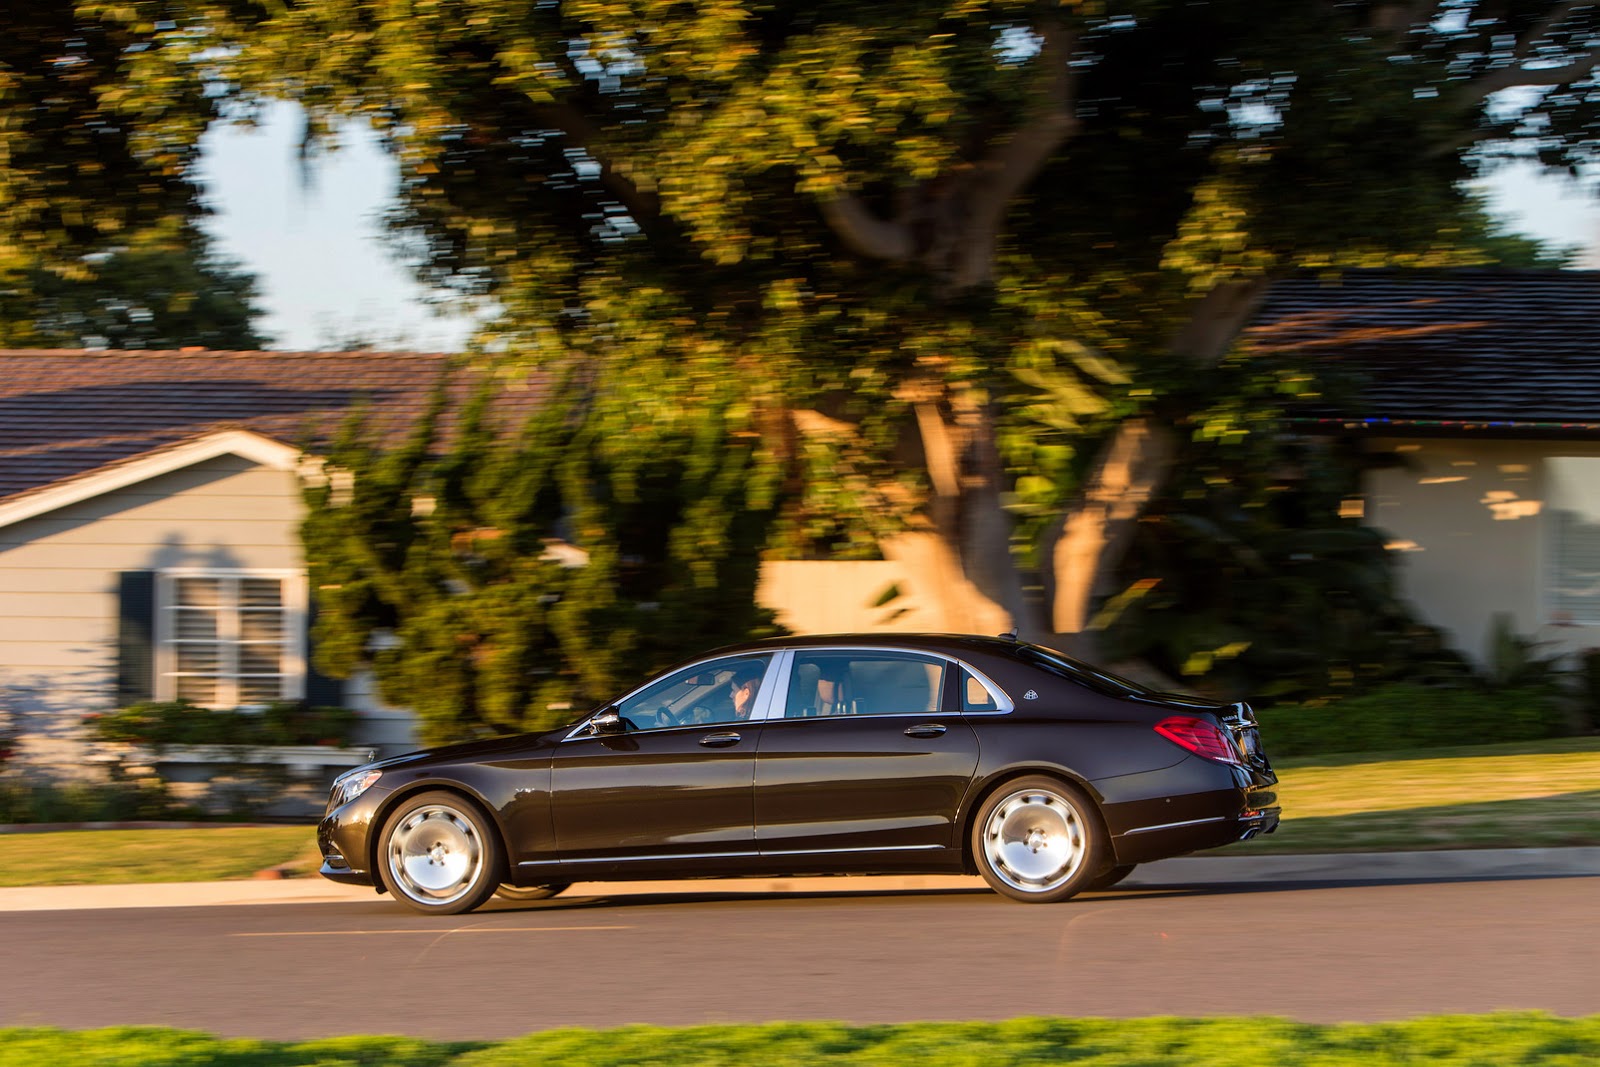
[
  {"x": 294, "y": 622},
  {"x": 1556, "y": 553}
]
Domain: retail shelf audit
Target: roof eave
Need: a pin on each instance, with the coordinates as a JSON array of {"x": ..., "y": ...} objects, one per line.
[{"x": 258, "y": 448}]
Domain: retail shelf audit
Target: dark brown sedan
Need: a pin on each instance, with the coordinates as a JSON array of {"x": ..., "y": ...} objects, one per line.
[{"x": 852, "y": 753}]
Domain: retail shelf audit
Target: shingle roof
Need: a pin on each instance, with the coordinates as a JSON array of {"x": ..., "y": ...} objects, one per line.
[
  {"x": 1474, "y": 350},
  {"x": 64, "y": 414}
]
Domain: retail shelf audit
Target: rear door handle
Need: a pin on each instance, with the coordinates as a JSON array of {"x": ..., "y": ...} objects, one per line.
[
  {"x": 720, "y": 740},
  {"x": 926, "y": 729}
]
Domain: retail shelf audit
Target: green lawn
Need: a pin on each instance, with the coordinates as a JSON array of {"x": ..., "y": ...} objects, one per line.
[
  {"x": 1527, "y": 1039},
  {"x": 1528, "y": 794},
  {"x": 101, "y": 857},
  {"x": 1544, "y": 793}
]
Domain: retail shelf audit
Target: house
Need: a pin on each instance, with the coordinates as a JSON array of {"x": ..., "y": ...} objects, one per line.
[
  {"x": 149, "y": 513},
  {"x": 150, "y": 505},
  {"x": 1480, "y": 391}
]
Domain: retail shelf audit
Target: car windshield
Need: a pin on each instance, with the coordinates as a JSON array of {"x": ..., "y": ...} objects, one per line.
[{"x": 1064, "y": 666}]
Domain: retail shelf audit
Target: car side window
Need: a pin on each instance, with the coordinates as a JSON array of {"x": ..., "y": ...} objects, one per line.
[
  {"x": 975, "y": 696},
  {"x": 827, "y": 683},
  {"x": 722, "y": 690}
]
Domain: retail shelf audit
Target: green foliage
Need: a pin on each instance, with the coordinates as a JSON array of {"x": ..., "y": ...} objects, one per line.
[
  {"x": 500, "y": 580},
  {"x": 1406, "y": 715},
  {"x": 1531, "y": 1039},
  {"x": 1244, "y": 579},
  {"x": 23, "y": 801},
  {"x": 101, "y": 112},
  {"x": 179, "y": 722},
  {"x": 1589, "y": 685},
  {"x": 144, "y": 298}
]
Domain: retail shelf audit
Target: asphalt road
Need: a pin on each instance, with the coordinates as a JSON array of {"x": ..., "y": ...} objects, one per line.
[{"x": 1325, "y": 950}]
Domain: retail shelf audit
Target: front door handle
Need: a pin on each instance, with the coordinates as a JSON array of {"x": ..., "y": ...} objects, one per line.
[
  {"x": 926, "y": 729},
  {"x": 721, "y": 740}
]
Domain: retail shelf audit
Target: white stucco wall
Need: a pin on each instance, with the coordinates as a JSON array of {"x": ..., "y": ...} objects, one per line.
[{"x": 1470, "y": 521}]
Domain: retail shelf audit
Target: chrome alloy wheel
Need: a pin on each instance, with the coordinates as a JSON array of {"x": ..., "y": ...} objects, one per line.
[
  {"x": 1035, "y": 840},
  {"x": 436, "y": 854}
]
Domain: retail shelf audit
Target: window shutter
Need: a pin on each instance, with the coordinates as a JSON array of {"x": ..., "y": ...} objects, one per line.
[
  {"x": 321, "y": 690},
  {"x": 136, "y": 614}
]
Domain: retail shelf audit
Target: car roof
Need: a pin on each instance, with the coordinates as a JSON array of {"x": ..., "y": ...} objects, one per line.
[{"x": 952, "y": 643}]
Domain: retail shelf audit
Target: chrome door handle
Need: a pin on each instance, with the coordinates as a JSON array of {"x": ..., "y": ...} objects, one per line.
[
  {"x": 720, "y": 740},
  {"x": 926, "y": 729}
]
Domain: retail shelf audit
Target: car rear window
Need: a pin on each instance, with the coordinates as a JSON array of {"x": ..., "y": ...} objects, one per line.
[{"x": 1062, "y": 666}]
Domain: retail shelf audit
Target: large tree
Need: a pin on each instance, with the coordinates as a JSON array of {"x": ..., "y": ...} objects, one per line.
[
  {"x": 101, "y": 112},
  {"x": 938, "y": 245}
]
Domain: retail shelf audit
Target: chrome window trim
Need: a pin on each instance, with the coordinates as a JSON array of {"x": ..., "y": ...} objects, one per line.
[
  {"x": 763, "y": 696},
  {"x": 770, "y": 709}
]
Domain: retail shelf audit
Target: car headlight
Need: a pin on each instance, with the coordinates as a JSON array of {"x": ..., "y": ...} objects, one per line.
[{"x": 352, "y": 784}]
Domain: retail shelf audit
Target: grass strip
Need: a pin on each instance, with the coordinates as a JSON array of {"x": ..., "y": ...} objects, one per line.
[
  {"x": 109, "y": 857},
  {"x": 1521, "y": 795},
  {"x": 1504, "y": 1039}
]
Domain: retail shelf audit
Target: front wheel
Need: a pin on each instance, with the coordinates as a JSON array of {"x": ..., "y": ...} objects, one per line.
[
  {"x": 439, "y": 854},
  {"x": 1038, "y": 840},
  {"x": 531, "y": 892}
]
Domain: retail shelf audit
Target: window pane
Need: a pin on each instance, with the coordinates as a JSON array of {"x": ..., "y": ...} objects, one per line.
[
  {"x": 260, "y": 592},
  {"x": 862, "y": 683},
  {"x": 194, "y": 624},
  {"x": 1574, "y": 494},
  {"x": 199, "y": 592},
  {"x": 260, "y": 659},
  {"x": 199, "y": 657},
  {"x": 702, "y": 694},
  {"x": 975, "y": 696},
  {"x": 260, "y": 690},
  {"x": 199, "y": 690},
  {"x": 261, "y": 626}
]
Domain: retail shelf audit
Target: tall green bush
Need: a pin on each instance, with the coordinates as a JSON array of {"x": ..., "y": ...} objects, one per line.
[{"x": 1407, "y": 715}]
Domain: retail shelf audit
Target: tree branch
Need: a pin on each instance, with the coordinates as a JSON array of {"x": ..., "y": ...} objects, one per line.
[
  {"x": 864, "y": 233},
  {"x": 1515, "y": 74},
  {"x": 642, "y": 205},
  {"x": 1016, "y": 161}
]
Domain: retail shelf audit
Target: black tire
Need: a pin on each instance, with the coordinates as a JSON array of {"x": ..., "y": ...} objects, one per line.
[
  {"x": 1109, "y": 877},
  {"x": 439, "y": 854},
  {"x": 1038, "y": 840},
  {"x": 531, "y": 892}
]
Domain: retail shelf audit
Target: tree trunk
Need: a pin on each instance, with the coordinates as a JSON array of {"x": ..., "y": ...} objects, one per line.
[
  {"x": 1081, "y": 553},
  {"x": 963, "y": 547}
]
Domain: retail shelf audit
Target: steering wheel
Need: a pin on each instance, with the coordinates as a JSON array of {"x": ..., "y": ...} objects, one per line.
[{"x": 665, "y": 716}]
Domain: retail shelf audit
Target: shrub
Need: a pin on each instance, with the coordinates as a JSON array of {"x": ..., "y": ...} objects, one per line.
[
  {"x": 23, "y": 801},
  {"x": 179, "y": 722},
  {"x": 1407, "y": 715}
]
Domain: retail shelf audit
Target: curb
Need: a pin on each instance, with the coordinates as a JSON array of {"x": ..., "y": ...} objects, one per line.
[{"x": 1186, "y": 872}]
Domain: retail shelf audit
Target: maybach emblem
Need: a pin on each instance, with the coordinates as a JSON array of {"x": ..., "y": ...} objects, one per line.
[{"x": 1030, "y": 695}]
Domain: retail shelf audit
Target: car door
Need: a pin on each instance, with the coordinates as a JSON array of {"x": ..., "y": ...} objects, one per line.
[
  {"x": 876, "y": 760},
  {"x": 676, "y": 784}
]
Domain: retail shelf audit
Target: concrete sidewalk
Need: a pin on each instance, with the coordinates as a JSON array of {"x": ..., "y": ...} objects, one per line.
[{"x": 1188, "y": 871}]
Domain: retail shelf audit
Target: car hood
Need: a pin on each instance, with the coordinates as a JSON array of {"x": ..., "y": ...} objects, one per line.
[{"x": 472, "y": 751}]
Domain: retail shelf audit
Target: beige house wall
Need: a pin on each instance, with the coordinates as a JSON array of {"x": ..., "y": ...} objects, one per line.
[
  {"x": 1470, "y": 522},
  {"x": 59, "y": 578}
]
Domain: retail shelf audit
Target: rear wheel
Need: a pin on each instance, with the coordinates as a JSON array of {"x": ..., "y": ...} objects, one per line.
[
  {"x": 1038, "y": 840},
  {"x": 439, "y": 854},
  {"x": 531, "y": 892},
  {"x": 1109, "y": 877}
]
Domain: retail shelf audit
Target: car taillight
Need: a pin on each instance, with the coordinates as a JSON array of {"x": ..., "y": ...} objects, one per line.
[{"x": 1200, "y": 736}]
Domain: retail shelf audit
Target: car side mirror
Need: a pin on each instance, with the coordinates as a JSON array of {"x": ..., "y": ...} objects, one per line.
[{"x": 607, "y": 721}]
